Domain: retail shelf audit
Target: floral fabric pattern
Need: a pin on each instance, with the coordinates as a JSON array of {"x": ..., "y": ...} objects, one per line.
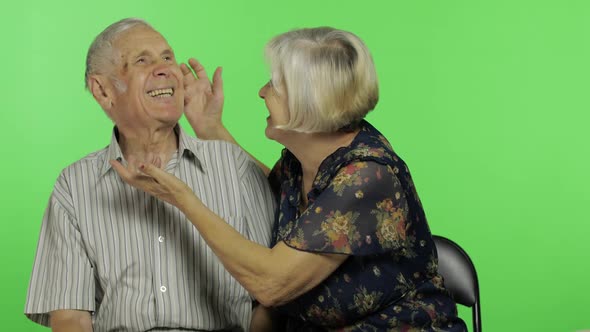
[{"x": 363, "y": 204}]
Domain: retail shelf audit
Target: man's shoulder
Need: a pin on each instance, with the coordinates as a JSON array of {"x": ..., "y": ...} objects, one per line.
[
  {"x": 83, "y": 171},
  {"x": 93, "y": 160}
]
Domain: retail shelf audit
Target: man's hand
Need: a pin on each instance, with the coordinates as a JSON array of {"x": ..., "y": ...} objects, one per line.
[{"x": 203, "y": 100}]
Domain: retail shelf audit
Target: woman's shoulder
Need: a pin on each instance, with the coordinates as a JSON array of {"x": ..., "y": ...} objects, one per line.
[{"x": 372, "y": 147}]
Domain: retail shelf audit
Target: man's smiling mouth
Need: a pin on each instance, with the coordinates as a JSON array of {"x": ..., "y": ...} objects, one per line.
[{"x": 160, "y": 93}]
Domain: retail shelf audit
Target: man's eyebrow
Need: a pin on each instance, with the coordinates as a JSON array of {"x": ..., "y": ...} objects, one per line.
[
  {"x": 167, "y": 52},
  {"x": 142, "y": 53},
  {"x": 148, "y": 53}
]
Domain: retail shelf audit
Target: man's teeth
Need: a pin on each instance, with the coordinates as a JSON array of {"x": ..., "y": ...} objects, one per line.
[{"x": 161, "y": 92}]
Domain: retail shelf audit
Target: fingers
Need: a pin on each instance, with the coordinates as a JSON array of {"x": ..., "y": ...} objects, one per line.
[
  {"x": 217, "y": 81},
  {"x": 153, "y": 172},
  {"x": 198, "y": 68},
  {"x": 146, "y": 177},
  {"x": 134, "y": 169},
  {"x": 187, "y": 75},
  {"x": 185, "y": 69},
  {"x": 201, "y": 77},
  {"x": 119, "y": 168}
]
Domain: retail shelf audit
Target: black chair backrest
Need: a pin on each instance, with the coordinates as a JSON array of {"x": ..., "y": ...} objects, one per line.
[{"x": 459, "y": 275}]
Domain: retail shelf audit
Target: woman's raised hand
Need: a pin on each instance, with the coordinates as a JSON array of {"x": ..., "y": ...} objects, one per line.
[{"x": 203, "y": 100}]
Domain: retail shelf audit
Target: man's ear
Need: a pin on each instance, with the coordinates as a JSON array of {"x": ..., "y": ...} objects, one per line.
[{"x": 102, "y": 91}]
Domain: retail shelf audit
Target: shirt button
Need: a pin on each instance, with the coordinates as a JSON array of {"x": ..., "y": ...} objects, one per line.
[
  {"x": 163, "y": 289},
  {"x": 161, "y": 238}
]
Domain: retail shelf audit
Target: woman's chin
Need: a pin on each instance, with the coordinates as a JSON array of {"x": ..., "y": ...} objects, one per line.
[
  {"x": 269, "y": 132},
  {"x": 272, "y": 133}
]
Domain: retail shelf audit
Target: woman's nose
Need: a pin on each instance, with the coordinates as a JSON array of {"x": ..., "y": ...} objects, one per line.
[{"x": 262, "y": 92}]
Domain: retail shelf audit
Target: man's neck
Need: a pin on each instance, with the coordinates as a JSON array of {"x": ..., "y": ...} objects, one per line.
[{"x": 154, "y": 146}]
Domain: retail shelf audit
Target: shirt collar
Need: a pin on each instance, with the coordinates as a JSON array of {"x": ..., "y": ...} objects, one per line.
[
  {"x": 190, "y": 147},
  {"x": 186, "y": 147}
]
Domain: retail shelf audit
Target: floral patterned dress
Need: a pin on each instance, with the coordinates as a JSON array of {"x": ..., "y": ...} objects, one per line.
[{"x": 363, "y": 203}]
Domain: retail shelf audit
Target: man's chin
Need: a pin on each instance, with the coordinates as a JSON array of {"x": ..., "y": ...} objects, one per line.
[{"x": 168, "y": 120}]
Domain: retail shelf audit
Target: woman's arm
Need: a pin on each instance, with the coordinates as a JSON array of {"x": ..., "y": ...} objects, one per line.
[
  {"x": 274, "y": 276},
  {"x": 203, "y": 105}
]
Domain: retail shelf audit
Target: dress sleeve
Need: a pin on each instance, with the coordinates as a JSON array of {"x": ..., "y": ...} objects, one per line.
[
  {"x": 363, "y": 211},
  {"x": 62, "y": 275}
]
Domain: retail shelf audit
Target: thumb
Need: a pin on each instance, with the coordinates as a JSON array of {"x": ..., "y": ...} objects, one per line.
[
  {"x": 217, "y": 81},
  {"x": 119, "y": 168}
]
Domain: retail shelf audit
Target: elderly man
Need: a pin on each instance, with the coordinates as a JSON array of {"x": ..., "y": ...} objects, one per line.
[{"x": 113, "y": 258}]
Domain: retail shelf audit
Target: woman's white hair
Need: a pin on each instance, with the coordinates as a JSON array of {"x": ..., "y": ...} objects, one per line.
[
  {"x": 328, "y": 77},
  {"x": 101, "y": 57}
]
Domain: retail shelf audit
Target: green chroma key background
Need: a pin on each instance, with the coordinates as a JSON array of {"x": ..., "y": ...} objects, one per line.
[{"x": 487, "y": 102}]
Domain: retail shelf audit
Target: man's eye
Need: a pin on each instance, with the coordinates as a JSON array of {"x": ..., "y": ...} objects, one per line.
[
  {"x": 168, "y": 58},
  {"x": 140, "y": 61}
]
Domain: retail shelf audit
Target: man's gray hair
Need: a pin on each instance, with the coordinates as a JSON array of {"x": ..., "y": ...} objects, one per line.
[{"x": 101, "y": 58}]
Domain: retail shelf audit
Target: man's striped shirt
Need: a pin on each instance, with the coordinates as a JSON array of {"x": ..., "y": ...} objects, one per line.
[{"x": 136, "y": 262}]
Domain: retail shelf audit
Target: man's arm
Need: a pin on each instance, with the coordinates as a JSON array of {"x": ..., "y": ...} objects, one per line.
[
  {"x": 70, "y": 321},
  {"x": 61, "y": 251}
]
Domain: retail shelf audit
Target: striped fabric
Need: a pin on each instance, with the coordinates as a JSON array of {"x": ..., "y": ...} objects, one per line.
[{"x": 137, "y": 263}]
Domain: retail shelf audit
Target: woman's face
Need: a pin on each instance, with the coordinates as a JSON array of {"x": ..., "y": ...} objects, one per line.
[{"x": 278, "y": 110}]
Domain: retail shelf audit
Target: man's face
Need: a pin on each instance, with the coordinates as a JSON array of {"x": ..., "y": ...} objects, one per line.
[{"x": 152, "y": 91}]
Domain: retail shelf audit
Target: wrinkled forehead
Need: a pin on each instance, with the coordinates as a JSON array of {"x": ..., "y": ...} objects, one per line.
[{"x": 140, "y": 39}]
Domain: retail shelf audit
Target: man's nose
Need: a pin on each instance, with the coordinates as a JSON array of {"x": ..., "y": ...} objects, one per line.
[{"x": 162, "y": 69}]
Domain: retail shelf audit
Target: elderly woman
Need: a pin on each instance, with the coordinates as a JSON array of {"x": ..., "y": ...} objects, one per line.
[{"x": 351, "y": 250}]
